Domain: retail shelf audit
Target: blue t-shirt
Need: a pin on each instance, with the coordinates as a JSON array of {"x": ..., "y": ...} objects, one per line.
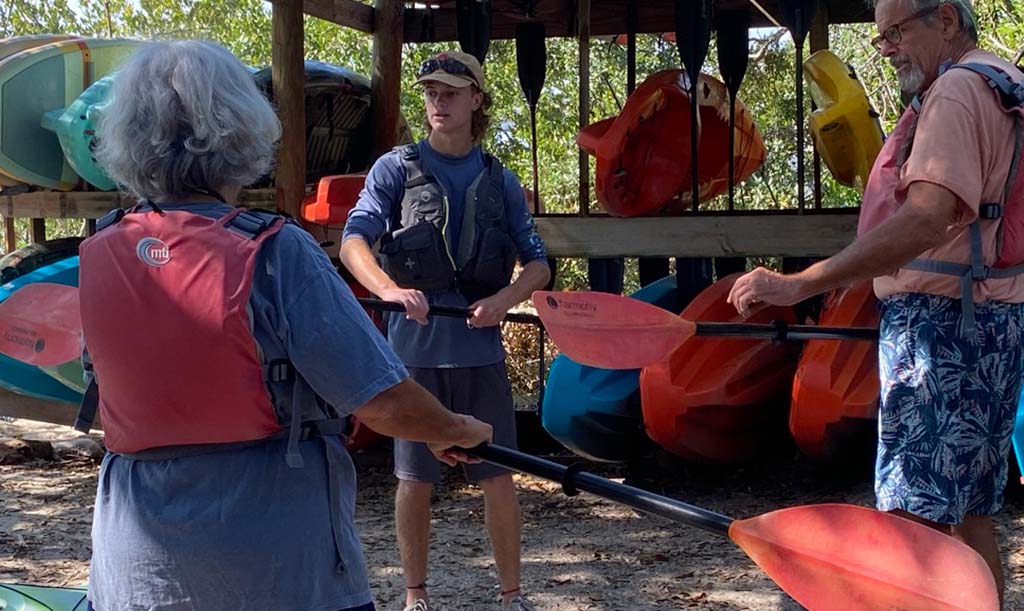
[
  {"x": 445, "y": 341},
  {"x": 240, "y": 529}
]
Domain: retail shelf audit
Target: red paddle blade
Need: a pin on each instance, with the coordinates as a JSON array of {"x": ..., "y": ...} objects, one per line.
[
  {"x": 610, "y": 331},
  {"x": 849, "y": 558},
  {"x": 40, "y": 324}
]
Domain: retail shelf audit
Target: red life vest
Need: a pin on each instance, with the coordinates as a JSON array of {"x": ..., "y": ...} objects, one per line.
[
  {"x": 164, "y": 298},
  {"x": 882, "y": 197}
]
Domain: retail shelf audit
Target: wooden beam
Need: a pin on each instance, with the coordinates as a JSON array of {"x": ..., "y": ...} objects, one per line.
[
  {"x": 289, "y": 75},
  {"x": 386, "y": 80},
  {"x": 583, "y": 19},
  {"x": 40, "y": 410},
  {"x": 94, "y": 204},
  {"x": 347, "y": 13},
  {"x": 784, "y": 235}
]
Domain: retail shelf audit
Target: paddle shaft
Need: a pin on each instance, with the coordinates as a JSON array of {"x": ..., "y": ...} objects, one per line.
[
  {"x": 573, "y": 480},
  {"x": 782, "y": 331},
  {"x": 440, "y": 310}
]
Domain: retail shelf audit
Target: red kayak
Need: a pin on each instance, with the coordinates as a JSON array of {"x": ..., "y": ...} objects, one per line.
[
  {"x": 643, "y": 154},
  {"x": 835, "y": 391},
  {"x": 721, "y": 399}
]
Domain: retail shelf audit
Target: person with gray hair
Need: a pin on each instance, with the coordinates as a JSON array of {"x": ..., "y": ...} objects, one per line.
[
  {"x": 226, "y": 356},
  {"x": 940, "y": 233}
]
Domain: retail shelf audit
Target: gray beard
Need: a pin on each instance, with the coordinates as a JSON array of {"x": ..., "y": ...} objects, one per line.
[{"x": 911, "y": 79}]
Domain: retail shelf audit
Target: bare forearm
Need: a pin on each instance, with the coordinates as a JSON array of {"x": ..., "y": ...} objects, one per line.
[
  {"x": 359, "y": 260},
  {"x": 535, "y": 276},
  {"x": 894, "y": 243},
  {"x": 409, "y": 411}
]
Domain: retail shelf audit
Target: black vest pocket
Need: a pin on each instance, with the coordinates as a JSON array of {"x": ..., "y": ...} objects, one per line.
[
  {"x": 491, "y": 270},
  {"x": 415, "y": 258}
]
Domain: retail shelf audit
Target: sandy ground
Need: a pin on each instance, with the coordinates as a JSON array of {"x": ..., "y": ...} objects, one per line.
[{"x": 580, "y": 554}]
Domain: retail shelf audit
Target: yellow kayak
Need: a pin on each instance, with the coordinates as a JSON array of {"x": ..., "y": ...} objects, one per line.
[{"x": 845, "y": 127}]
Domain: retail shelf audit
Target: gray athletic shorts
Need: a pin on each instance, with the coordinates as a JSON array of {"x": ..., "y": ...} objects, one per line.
[{"x": 481, "y": 392}]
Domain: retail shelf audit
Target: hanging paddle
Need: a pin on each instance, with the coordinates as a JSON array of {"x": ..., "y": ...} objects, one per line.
[
  {"x": 618, "y": 332},
  {"x": 439, "y": 310},
  {"x": 797, "y": 15},
  {"x": 531, "y": 64},
  {"x": 40, "y": 324},
  {"x": 473, "y": 25},
  {"x": 693, "y": 35},
  {"x": 733, "y": 54},
  {"x": 829, "y": 557}
]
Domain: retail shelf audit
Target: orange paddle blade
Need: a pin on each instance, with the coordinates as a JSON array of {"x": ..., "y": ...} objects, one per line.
[
  {"x": 610, "y": 331},
  {"x": 41, "y": 324},
  {"x": 847, "y": 558}
]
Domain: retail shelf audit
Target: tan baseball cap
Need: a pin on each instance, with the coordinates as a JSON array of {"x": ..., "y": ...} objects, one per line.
[{"x": 453, "y": 68}]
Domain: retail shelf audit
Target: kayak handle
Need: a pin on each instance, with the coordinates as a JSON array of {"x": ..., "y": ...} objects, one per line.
[
  {"x": 782, "y": 331},
  {"x": 572, "y": 478},
  {"x": 442, "y": 310}
]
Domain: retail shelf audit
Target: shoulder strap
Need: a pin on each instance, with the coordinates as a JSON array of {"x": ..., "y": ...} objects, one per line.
[
  {"x": 252, "y": 223},
  {"x": 1011, "y": 94},
  {"x": 110, "y": 218}
]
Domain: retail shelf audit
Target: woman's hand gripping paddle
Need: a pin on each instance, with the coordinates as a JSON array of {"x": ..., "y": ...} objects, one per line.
[{"x": 828, "y": 557}]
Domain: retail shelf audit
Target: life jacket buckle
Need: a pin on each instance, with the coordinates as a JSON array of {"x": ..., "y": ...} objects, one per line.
[{"x": 990, "y": 212}]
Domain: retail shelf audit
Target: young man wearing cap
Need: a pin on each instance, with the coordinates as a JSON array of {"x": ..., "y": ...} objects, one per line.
[{"x": 451, "y": 222}]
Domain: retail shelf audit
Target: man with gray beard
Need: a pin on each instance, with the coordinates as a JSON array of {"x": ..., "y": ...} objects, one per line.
[{"x": 931, "y": 234}]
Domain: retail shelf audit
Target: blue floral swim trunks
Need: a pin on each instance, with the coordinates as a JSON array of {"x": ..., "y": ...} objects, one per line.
[{"x": 947, "y": 406}]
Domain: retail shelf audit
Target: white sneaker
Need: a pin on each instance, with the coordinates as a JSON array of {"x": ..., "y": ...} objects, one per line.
[
  {"x": 419, "y": 605},
  {"x": 519, "y": 603}
]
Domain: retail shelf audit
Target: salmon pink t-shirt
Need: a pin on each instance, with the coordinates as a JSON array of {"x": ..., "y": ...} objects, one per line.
[{"x": 965, "y": 143}]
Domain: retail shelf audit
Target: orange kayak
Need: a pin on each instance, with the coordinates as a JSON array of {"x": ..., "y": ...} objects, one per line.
[
  {"x": 835, "y": 391},
  {"x": 643, "y": 154},
  {"x": 721, "y": 399}
]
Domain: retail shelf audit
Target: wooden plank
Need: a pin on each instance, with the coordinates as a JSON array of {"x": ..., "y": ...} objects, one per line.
[
  {"x": 608, "y": 17},
  {"x": 583, "y": 19},
  {"x": 347, "y": 13},
  {"x": 40, "y": 410},
  {"x": 288, "y": 74},
  {"x": 94, "y": 204},
  {"x": 787, "y": 235},
  {"x": 386, "y": 80}
]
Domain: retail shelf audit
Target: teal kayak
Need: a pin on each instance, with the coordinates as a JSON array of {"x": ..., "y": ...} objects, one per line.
[
  {"x": 20, "y": 597},
  {"x": 1018, "y": 437},
  {"x": 594, "y": 412}
]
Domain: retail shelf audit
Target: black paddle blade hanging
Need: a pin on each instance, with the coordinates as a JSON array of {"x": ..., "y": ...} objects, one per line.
[
  {"x": 797, "y": 16},
  {"x": 473, "y": 23},
  {"x": 693, "y": 33},
  {"x": 531, "y": 59},
  {"x": 733, "y": 48}
]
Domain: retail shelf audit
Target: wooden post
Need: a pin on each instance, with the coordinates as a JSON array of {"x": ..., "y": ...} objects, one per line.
[
  {"x": 288, "y": 74},
  {"x": 819, "y": 41},
  {"x": 37, "y": 230},
  {"x": 584, "y": 79},
  {"x": 386, "y": 81},
  {"x": 10, "y": 236}
]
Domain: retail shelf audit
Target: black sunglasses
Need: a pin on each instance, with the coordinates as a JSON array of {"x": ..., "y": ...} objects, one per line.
[{"x": 447, "y": 64}]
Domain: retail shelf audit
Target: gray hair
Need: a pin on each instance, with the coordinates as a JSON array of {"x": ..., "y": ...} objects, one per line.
[
  {"x": 185, "y": 116},
  {"x": 964, "y": 9}
]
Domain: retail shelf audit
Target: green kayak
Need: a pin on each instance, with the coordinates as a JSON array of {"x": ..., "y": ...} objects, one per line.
[{"x": 19, "y": 597}]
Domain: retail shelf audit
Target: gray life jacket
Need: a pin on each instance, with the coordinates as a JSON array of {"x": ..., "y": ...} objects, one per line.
[{"x": 417, "y": 251}]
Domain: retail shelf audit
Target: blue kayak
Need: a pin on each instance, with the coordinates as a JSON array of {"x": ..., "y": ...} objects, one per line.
[
  {"x": 596, "y": 412},
  {"x": 1018, "y": 437},
  {"x": 19, "y": 597},
  {"x": 26, "y": 379}
]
